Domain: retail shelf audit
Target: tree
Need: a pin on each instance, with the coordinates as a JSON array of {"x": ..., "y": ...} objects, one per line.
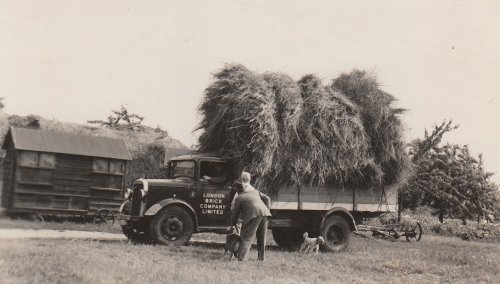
[
  {"x": 29, "y": 121},
  {"x": 122, "y": 120},
  {"x": 147, "y": 162},
  {"x": 409, "y": 195},
  {"x": 448, "y": 178}
]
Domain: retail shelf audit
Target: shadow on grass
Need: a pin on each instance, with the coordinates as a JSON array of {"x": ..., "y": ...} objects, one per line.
[
  {"x": 110, "y": 241},
  {"x": 219, "y": 245}
]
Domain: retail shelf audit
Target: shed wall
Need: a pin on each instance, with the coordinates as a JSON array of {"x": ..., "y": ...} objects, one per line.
[
  {"x": 68, "y": 191},
  {"x": 8, "y": 170},
  {"x": 74, "y": 188}
]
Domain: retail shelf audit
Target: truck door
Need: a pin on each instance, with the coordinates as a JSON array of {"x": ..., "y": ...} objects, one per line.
[{"x": 215, "y": 199}]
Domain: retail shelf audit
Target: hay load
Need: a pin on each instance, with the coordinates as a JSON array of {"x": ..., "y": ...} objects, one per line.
[
  {"x": 380, "y": 119},
  {"x": 332, "y": 143},
  {"x": 239, "y": 119},
  {"x": 296, "y": 133},
  {"x": 288, "y": 102}
]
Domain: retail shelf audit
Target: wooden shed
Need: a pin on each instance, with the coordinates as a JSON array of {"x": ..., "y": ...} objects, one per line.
[{"x": 60, "y": 173}]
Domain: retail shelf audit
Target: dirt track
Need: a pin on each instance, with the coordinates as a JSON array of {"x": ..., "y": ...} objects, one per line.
[
  {"x": 15, "y": 234},
  {"x": 57, "y": 234}
]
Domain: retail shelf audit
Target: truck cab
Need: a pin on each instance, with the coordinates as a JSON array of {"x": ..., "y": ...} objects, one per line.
[{"x": 196, "y": 197}]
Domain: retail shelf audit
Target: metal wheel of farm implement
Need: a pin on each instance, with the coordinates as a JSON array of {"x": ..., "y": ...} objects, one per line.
[
  {"x": 414, "y": 233},
  {"x": 104, "y": 216},
  {"x": 336, "y": 232},
  {"x": 37, "y": 218},
  {"x": 289, "y": 238},
  {"x": 172, "y": 226}
]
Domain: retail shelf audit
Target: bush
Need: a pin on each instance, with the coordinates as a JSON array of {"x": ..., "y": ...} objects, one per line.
[
  {"x": 454, "y": 227},
  {"x": 473, "y": 231}
]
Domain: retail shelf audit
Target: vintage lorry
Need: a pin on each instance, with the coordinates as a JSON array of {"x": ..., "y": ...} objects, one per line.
[{"x": 197, "y": 196}]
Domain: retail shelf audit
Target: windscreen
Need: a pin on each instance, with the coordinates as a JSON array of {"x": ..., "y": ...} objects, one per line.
[{"x": 183, "y": 169}]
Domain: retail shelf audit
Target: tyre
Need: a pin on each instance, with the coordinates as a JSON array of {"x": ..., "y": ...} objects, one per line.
[
  {"x": 172, "y": 226},
  {"x": 289, "y": 238},
  {"x": 336, "y": 232},
  {"x": 136, "y": 237}
]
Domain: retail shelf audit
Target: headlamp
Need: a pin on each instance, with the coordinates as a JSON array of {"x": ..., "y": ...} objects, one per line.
[{"x": 128, "y": 193}]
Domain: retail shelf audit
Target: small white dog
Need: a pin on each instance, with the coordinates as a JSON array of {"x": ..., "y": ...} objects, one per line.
[{"x": 311, "y": 244}]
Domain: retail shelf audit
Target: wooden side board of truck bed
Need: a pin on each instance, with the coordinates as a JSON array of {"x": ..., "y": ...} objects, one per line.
[{"x": 351, "y": 199}]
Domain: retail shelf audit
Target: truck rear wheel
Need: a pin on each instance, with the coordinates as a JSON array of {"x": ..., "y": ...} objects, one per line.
[
  {"x": 289, "y": 238},
  {"x": 336, "y": 232},
  {"x": 172, "y": 226}
]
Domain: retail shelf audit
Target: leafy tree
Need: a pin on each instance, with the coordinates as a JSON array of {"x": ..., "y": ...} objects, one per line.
[
  {"x": 122, "y": 120},
  {"x": 29, "y": 121},
  {"x": 419, "y": 147},
  {"x": 147, "y": 162},
  {"x": 449, "y": 179},
  {"x": 410, "y": 196},
  {"x": 125, "y": 121}
]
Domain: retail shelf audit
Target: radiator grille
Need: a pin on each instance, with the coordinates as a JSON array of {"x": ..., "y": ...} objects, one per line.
[{"x": 135, "y": 209}]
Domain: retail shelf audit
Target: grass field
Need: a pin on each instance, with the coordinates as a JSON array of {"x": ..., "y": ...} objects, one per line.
[
  {"x": 435, "y": 259},
  {"x": 432, "y": 260}
]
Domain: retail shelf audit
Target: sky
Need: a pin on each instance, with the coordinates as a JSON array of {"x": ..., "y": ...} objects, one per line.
[{"x": 77, "y": 60}]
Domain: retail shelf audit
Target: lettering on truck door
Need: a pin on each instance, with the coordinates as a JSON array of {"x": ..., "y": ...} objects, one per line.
[{"x": 214, "y": 207}]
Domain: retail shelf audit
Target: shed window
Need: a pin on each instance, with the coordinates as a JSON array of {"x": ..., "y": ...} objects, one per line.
[
  {"x": 37, "y": 159},
  {"x": 28, "y": 159},
  {"x": 108, "y": 166},
  {"x": 36, "y": 167},
  {"x": 101, "y": 165},
  {"x": 46, "y": 160},
  {"x": 116, "y": 166},
  {"x": 108, "y": 173}
]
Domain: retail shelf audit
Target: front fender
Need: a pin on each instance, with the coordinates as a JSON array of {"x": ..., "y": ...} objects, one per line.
[
  {"x": 124, "y": 207},
  {"x": 342, "y": 212},
  {"x": 153, "y": 210}
]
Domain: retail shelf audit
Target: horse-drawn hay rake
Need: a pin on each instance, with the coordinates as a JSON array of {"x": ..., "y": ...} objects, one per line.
[{"x": 392, "y": 229}]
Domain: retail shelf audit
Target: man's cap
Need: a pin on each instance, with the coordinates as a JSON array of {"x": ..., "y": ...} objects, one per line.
[{"x": 246, "y": 177}]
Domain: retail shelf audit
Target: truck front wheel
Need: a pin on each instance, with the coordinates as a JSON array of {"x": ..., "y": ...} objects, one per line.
[
  {"x": 136, "y": 237},
  {"x": 173, "y": 225},
  {"x": 336, "y": 232}
]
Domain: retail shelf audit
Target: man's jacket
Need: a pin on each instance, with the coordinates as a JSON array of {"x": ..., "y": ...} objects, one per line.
[{"x": 250, "y": 203}]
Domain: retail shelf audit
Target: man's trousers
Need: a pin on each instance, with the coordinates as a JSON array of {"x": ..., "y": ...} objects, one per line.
[{"x": 255, "y": 227}]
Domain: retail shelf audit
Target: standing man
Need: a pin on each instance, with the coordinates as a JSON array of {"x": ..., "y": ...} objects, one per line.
[{"x": 253, "y": 207}]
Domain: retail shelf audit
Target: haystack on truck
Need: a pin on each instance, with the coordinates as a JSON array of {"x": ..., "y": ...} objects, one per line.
[{"x": 197, "y": 197}]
